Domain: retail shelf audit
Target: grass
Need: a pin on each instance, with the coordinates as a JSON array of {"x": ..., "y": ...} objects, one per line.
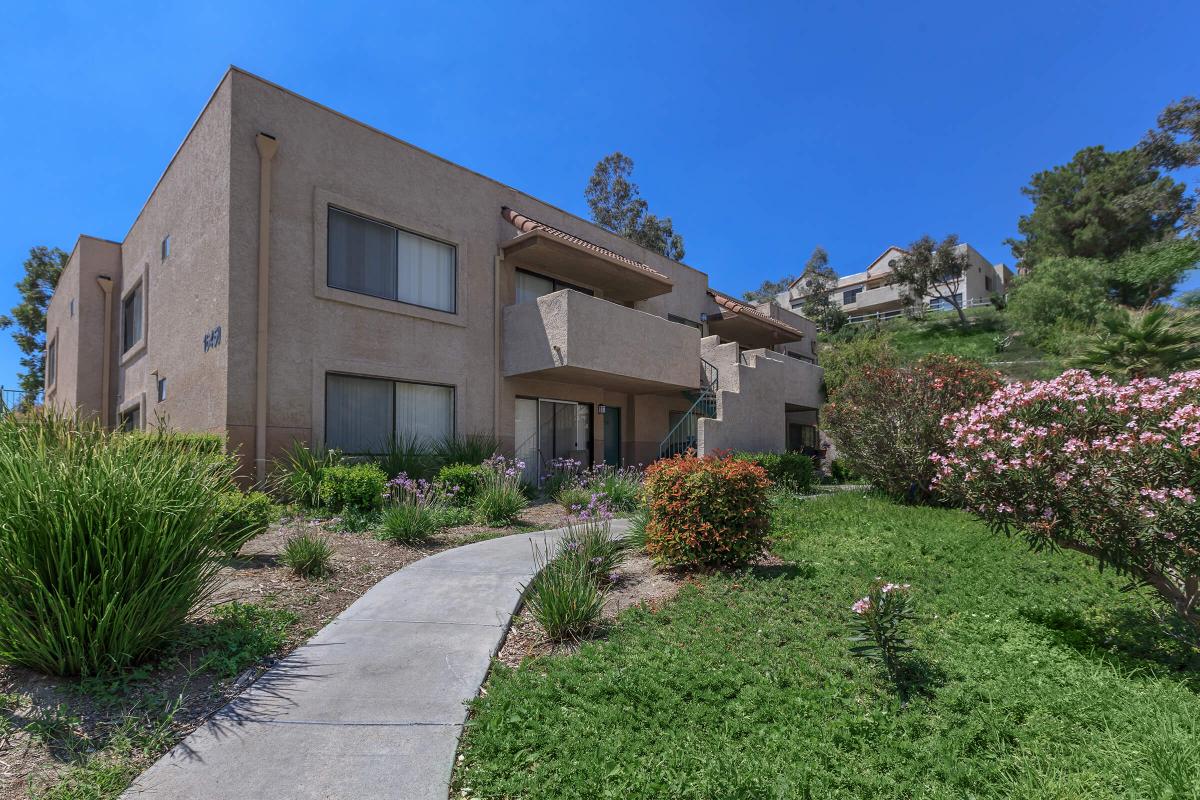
[
  {"x": 307, "y": 554},
  {"x": 1043, "y": 680}
]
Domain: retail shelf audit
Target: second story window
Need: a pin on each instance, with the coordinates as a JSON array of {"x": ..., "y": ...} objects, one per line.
[
  {"x": 987, "y": 283},
  {"x": 850, "y": 296},
  {"x": 531, "y": 286},
  {"x": 372, "y": 258},
  {"x": 166, "y": 247},
  {"x": 162, "y": 389},
  {"x": 52, "y": 363},
  {"x": 131, "y": 319}
]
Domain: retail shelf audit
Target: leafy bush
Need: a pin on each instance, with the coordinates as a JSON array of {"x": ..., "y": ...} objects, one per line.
[
  {"x": 239, "y": 636},
  {"x": 887, "y": 421},
  {"x": 297, "y": 474},
  {"x": 243, "y": 516},
  {"x": 793, "y": 471},
  {"x": 1087, "y": 464},
  {"x": 107, "y": 541},
  {"x": 472, "y": 449},
  {"x": 563, "y": 597},
  {"x": 501, "y": 499},
  {"x": 465, "y": 477},
  {"x": 841, "y": 472},
  {"x": 357, "y": 487},
  {"x": 1061, "y": 295},
  {"x": 1142, "y": 344},
  {"x": 307, "y": 554},
  {"x": 855, "y": 347},
  {"x": 706, "y": 511},
  {"x": 879, "y": 622}
]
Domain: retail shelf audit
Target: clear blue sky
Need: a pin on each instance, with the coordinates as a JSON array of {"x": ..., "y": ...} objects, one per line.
[{"x": 762, "y": 129}]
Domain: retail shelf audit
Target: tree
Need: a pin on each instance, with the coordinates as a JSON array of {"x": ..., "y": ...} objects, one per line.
[
  {"x": 1190, "y": 300},
  {"x": 42, "y": 269},
  {"x": 818, "y": 282},
  {"x": 1143, "y": 277},
  {"x": 1057, "y": 303},
  {"x": 768, "y": 290},
  {"x": 1175, "y": 144},
  {"x": 617, "y": 204},
  {"x": 1142, "y": 344},
  {"x": 932, "y": 268},
  {"x": 1100, "y": 205}
]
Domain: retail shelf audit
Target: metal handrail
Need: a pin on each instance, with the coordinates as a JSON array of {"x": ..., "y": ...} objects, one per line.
[
  {"x": 17, "y": 400},
  {"x": 682, "y": 435}
]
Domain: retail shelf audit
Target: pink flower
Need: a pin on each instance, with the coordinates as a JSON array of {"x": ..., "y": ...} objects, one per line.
[{"x": 862, "y": 606}]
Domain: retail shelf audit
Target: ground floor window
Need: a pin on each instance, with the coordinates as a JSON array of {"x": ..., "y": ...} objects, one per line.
[
  {"x": 131, "y": 420},
  {"x": 546, "y": 430},
  {"x": 363, "y": 414}
]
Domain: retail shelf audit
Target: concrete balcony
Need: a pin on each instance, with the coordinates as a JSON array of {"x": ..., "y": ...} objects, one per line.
[
  {"x": 873, "y": 299},
  {"x": 798, "y": 382},
  {"x": 573, "y": 337}
]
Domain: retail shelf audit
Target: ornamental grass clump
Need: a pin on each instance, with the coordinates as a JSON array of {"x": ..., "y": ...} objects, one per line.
[
  {"x": 307, "y": 554},
  {"x": 589, "y": 540},
  {"x": 708, "y": 511},
  {"x": 297, "y": 473},
  {"x": 1085, "y": 463},
  {"x": 416, "y": 509},
  {"x": 879, "y": 623},
  {"x": 887, "y": 420},
  {"x": 107, "y": 541},
  {"x": 500, "y": 500}
]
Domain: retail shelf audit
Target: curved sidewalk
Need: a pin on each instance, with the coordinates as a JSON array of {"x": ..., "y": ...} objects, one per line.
[{"x": 372, "y": 706}]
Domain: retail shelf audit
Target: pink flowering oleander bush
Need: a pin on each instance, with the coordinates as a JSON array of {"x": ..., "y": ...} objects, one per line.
[
  {"x": 879, "y": 623},
  {"x": 1081, "y": 462},
  {"x": 887, "y": 420}
]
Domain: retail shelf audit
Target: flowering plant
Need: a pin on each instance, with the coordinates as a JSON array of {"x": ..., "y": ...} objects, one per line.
[
  {"x": 501, "y": 498},
  {"x": 879, "y": 621},
  {"x": 1088, "y": 464},
  {"x": 706, "y": 511},
  {"x": 887, "y": 420}
]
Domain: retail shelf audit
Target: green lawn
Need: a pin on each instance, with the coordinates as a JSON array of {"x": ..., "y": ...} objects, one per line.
[{"x": 1046, "y": 681}]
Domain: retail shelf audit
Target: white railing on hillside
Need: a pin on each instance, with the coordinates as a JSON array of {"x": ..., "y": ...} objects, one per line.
[{"x": 899, "y": 312}]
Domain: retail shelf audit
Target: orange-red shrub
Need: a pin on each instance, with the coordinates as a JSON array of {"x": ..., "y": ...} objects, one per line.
[{"x": 706, "y": 511}]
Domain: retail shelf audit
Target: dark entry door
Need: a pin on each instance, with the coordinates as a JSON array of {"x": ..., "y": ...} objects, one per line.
[{"x": 612, "y": 436}]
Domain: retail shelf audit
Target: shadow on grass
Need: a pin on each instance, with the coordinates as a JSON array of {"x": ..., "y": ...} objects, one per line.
[
  {"x": 1137, "y": 638},
  {"x": 768, "y": 572}
]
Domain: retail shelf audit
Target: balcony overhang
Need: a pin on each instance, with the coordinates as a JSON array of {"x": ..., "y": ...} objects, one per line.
[
  {"x": 741, "y": 323},
  {"x": 575, "y": 338},
  {"x": 576, "y": 260}
]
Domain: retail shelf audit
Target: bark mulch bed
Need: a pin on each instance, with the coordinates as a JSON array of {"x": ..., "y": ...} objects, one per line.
[{"x": 60, "y": 735}]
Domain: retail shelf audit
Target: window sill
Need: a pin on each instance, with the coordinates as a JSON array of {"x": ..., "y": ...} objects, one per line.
[
  {"x": 133, "y": 352},
  {"x": 399, "y": 307}
]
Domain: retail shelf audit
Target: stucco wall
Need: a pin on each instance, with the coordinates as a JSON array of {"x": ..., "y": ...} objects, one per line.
[{"x": 186, "y": 294}]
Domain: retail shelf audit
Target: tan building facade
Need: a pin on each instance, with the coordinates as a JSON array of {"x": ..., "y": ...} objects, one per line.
[
  {"x": 874, "y": 294},
  {"x": 297, "y": 275}
]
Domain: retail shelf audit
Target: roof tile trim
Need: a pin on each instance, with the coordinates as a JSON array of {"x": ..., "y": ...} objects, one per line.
[
  {"x": 526, "y": 224},
  {"x": 737, "y": 307}
]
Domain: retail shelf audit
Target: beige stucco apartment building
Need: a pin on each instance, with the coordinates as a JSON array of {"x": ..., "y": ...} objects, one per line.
[
  {"x": 298, "y": 275},
  {"x": 873, "y": 293}
]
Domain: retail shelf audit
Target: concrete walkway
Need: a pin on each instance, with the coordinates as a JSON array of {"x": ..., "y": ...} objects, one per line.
[{"x": 372, "y": 706}]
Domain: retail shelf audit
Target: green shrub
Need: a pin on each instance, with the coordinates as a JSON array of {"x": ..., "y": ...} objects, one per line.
[
  {"x": 887, "y": 421},
  {"x": 706, "y": 511},
  {"x": 635, "y": 536},
  {"x": 467, "y": 477},
  {"x": 564, "y": 598},
  {"x": 357, "y": 487},
  {"x": 471, "y": 449},
  {"x": 590, "y": 542},
  {"x": 793, "y": 471},
  {"x": 406, "y": 455},
  {"x": 297, "y": 474},
  {"x": 243, "y": 516},
  {"x": 107, "y": 541},
  {"x": 409, "y": 523},
  {"x": 307, "y": 554},
  {"x": 841, "y": 472}
]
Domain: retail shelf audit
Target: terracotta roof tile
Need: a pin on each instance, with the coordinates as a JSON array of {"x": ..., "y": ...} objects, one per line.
[
  {"x": 738, "y": 307},
  {"x": 526, "y": 224}
]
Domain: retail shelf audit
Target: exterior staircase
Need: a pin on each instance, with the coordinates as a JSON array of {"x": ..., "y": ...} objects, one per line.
[{"x": 684, "y": 435}]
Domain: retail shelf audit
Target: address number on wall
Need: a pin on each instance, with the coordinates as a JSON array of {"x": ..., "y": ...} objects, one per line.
[{"x": 212, "y": 338}]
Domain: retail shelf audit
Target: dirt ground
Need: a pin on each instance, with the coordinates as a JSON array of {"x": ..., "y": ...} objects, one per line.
[{"x": 49, "y": 725}]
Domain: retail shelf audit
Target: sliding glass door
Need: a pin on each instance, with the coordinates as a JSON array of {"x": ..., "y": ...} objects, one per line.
[{"x": 552, "y": 429}]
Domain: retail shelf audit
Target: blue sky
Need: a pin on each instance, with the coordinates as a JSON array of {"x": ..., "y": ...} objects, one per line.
[{"x": 762, "y": 129}]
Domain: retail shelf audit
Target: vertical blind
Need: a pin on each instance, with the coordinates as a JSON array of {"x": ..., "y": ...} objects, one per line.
[
  {"x": 372, "y": 258},
  {"x": 132, "y": 322},
  {"x": 363, "y": 414}
]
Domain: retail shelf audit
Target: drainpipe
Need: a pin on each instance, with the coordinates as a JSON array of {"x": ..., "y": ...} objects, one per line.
[
  {"x": 106, "y": 285},
  {"x": 266, "y": 151},
  {"x": 496, "y": 355}
]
